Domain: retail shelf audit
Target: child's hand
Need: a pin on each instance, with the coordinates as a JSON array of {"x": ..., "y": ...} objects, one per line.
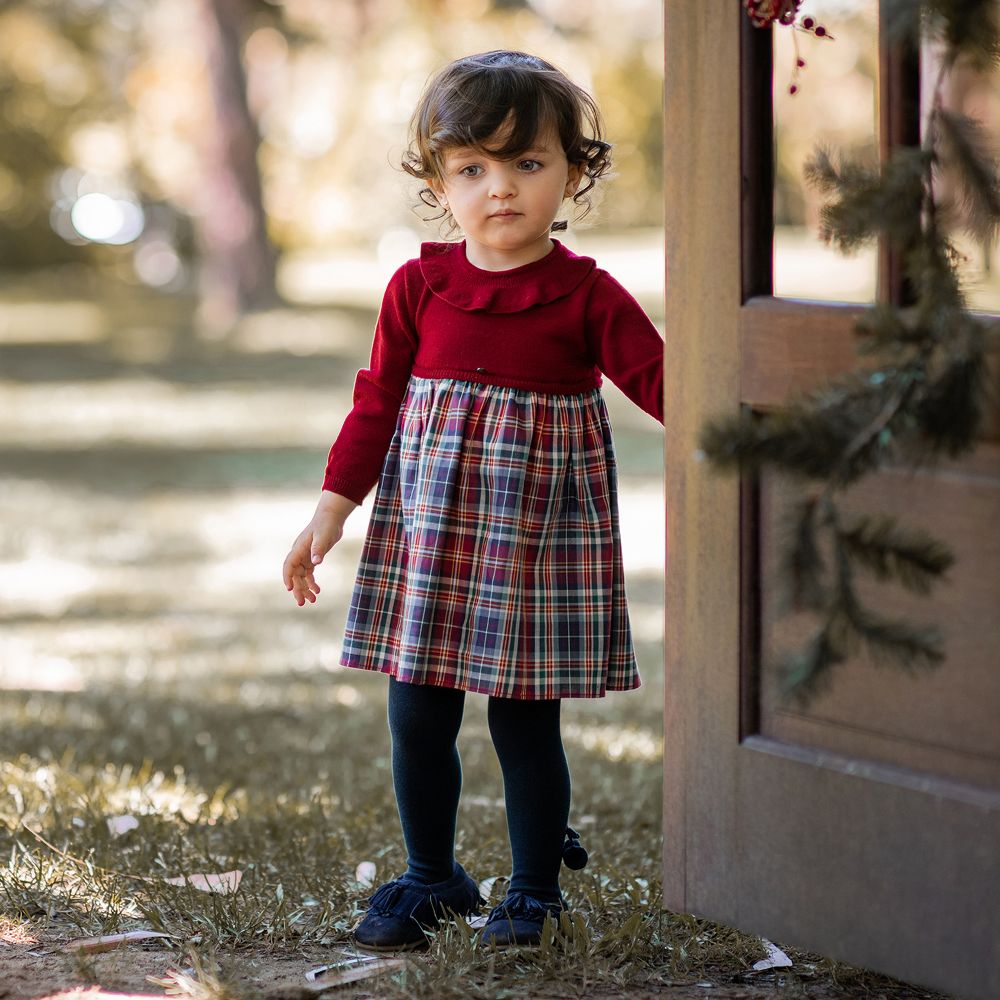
[{"x": 317, "y": 538}]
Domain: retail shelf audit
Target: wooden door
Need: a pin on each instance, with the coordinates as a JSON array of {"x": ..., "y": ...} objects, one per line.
[{"x": 867, "y": 826}]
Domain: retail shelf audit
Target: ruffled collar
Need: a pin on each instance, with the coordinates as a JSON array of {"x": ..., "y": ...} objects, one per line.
[{"x": 448, "y": 274}]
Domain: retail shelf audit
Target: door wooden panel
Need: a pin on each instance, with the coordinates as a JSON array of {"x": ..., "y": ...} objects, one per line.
[
  {"x": 867, "y": 863},
  {"x": 788, "y": 346},
  {"x": 866, "y": 828},
  {"x": 942, "y": 721}
]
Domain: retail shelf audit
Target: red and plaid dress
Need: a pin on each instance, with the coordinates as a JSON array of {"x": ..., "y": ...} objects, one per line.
[{"x": 492, "y": 561}]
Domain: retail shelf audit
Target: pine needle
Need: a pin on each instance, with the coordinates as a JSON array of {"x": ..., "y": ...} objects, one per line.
[
  {"x": 805, "y": 673},
  {"x": 969, "y": 28},
  {"x": 801, "y": 559},
  {"x": 949, "y": 411},
  {"x": 913, "y": 558},
  {"x": 966, "y": 149},
  {"x": 897, "y": 642}
]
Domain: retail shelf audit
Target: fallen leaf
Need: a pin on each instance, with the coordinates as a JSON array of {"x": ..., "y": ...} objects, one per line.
[
  {"x": 357, "y": 972},
  {"x": 365, "y": 874},
  {"x": 348, "y": 962},
  {"x": 486, "y": 886},
  {"x": 776, "y": 958},
  {"x": 121, "y": 824},
  {"x": 225, "y": 883},
  {"x": 109, "y": 941}
]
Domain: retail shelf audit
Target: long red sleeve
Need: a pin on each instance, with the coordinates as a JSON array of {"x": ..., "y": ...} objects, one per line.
[
  {"x": 626, "y": 345},
  {"x": 356, "y": 458}
]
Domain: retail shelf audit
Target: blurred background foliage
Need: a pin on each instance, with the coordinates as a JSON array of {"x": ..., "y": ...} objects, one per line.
[
  {"x": 189, "y": 145},
  {"x": 200, "y": 205}
]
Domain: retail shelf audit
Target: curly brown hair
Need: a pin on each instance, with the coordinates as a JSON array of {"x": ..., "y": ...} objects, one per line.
[{"x": 467, "y": 102}]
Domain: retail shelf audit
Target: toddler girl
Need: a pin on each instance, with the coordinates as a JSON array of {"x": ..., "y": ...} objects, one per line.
[{"x": 492, "y": 561}]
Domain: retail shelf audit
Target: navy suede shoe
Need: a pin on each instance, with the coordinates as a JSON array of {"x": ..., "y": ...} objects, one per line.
[
  {"x": 519, "y": 919},
  {"x": 400, "y": 911}
]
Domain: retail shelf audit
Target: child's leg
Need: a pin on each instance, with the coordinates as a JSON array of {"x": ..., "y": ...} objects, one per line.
[
  {"x": 427, "y": 774},
  {"x": 536, "y": 788}
]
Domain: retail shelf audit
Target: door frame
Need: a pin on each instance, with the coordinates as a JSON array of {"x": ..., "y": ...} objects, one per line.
[{"x": 867, "y": 863}]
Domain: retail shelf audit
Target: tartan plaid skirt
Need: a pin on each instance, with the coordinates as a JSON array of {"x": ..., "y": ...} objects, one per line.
[{"x": 492, "y": 561}]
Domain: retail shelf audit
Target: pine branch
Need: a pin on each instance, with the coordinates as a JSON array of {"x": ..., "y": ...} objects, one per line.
[
  {"x": 949, "y": 412},
  {"x": 851, "y": 624},
  {"x": 869, "y": 408},
  {"x": 925, "y": 398},
  {"x": 896, "y": 643},
  {"x": 808, "y": 438},
  {"x": 969, "y": 28},
  {"x": 877, "y": 542},
  {"x": 866, "y": 449},
  {"x": 931, "y": 266},
  {"x": 964, "y": 147},
  {"x": 868, "y": 202},
  {"x": 802, "y": 564},
  {"x": 797, "y": 441},
  {"x": 845, "y": 176},
  {"x": 886, "y": 329},
  {"x": 849, "y": 627},
  {"x": 806, "y": 673}
]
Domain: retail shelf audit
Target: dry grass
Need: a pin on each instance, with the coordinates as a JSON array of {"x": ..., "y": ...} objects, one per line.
[{"x": 152, "y": 665}]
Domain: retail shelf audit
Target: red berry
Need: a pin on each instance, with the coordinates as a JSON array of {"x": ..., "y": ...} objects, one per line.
[
  {"x": 820, "y": 31},
  {"x": 793, "y": 89},
  {"x": 800, "y": 62},
  {"x": 807, "y": 22}
]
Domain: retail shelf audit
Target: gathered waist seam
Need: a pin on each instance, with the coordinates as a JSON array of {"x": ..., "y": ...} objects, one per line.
[{"x": 511, "y": 382}]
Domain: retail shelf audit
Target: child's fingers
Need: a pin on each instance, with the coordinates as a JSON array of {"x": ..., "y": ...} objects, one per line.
[
  {"x": 304, "y": 571},
  {"x": 297, "y": 561},
  {"x": 294, "y": 570},
  {"x": 302, "y": 574},
  {"x": 304, "y": 588}
]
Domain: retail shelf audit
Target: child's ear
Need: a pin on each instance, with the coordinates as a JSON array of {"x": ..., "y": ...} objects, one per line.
[
  {"x": 574, "y": 179},
  {"x": 437, "y": 189}
]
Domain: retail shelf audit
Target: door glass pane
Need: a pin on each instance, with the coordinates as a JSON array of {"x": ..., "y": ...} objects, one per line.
[
  {"x": 835, "y": 106},
  {"x": 976, "y": 94}
]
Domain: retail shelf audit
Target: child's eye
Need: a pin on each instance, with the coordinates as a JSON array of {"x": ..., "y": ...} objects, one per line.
[
  {"x": 530, "y": 166},
  {"x": 472, "y": 170}
]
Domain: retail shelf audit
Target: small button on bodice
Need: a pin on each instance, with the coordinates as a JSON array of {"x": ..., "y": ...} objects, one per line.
[{"x": 482, "y": 371}]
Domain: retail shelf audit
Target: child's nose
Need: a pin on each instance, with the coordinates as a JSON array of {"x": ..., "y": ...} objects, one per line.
[{"x": 502, "y": 185}]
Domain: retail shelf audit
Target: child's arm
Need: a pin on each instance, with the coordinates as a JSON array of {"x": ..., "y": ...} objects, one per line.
[
  {"x": 317, "y": 538},
  {"x": 626, "y": 346},
  {"x": 357, "y": 455},
  {"x": 356, "y": 458}
]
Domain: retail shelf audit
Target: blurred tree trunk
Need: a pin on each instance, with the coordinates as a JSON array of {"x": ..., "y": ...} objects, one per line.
[{"x": 238, "y": 261}]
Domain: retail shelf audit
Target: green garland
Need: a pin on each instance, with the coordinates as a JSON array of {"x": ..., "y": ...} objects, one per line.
[{"x": 924, "y": 400}]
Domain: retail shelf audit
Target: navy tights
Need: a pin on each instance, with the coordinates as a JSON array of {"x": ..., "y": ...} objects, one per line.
[{"x": 427, "y": 776}]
